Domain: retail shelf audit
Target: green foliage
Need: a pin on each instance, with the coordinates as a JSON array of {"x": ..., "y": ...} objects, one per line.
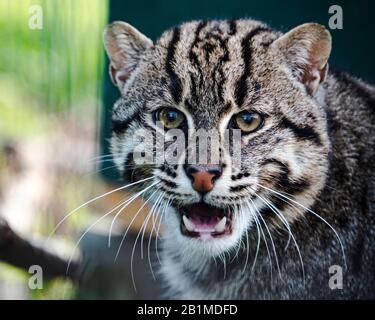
[{"x": 52, "y": 69}]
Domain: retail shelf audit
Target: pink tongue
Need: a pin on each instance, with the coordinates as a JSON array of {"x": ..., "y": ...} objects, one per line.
[
  {"x": 204, "y": 224},
  {"x": 204, "y": 218}
]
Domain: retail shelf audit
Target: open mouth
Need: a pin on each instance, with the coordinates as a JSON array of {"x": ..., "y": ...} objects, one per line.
[{"x": 200, "y": 220}]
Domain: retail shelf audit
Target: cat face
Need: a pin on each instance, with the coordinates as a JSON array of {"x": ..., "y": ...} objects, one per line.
[{"x": 225, "y": 78}]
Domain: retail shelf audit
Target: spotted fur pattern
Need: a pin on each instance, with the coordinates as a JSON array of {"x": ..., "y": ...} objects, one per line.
[{"x": 316, "y": 147}]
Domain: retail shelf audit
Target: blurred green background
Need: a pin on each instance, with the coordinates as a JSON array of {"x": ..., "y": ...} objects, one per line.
[
  {"x": 50, "y": 98},
  {"x": 56, "y": 99}
]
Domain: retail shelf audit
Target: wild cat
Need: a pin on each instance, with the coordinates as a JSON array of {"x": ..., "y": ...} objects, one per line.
[{"x": 296, "y": 219}]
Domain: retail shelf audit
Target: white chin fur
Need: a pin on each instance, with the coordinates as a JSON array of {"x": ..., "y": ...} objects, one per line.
[{"x": 212, "y": 247}]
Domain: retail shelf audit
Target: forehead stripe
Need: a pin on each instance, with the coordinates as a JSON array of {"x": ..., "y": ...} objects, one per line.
[
  {"x": 232, "y": 27},
  {"x": 175, "y": 86},
  {"x": 241, "y": 87},
  {"x": 192, "y": 55}
]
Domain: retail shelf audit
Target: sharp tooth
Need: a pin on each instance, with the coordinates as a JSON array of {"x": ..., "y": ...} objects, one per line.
[
  {"x": 220, "y": 227},
  {"x": 188, "y": 224}
]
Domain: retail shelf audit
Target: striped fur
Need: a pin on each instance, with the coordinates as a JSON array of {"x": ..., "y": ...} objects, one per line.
[{"x": 315, "y": 146}]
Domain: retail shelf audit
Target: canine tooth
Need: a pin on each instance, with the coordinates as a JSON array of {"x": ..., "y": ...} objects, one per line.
[
  {"x": 220, "y": 227},
  {"x": 188, "y": 224}
]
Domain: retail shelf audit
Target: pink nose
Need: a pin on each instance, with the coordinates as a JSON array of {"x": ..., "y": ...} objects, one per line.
[
  {"x": 203, "y": 181},
  {"x": 203, "y": 178}
]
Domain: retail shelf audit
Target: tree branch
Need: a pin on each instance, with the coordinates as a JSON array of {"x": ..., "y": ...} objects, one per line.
[{"x": 21, "y": 253}]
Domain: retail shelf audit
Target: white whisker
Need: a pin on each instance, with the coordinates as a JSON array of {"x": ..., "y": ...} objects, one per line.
[
  {"x": 285, "y": 222},
  {"x": 151, "y": 213},
  {"x": 281, "y": 217},
  {"x": 135, "y": 245},
  {"x": 316, "y": 215},
  {"x": 158, "y": 229},
  {"x": 272, "y": 244},
  {"x": 92, "y": 200},
  {"x": 247, "y": 244},
  {"x": 150, "y": 237},
  {"x": 122, "y": 209},
  {"x": 264, "y": 238},
  {"x": 131, "y": 222},
  {"x": 258, "y": 245},
  {"x": 88, "y": 229}
]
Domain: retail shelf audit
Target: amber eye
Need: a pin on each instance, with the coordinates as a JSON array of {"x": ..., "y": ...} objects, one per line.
[
  {"x": 248, "y": 121},
  {"x": 170, "y": 118}
]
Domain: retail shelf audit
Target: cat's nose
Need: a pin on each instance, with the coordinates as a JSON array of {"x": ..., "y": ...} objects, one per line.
[{"x": 203, "y": 177}]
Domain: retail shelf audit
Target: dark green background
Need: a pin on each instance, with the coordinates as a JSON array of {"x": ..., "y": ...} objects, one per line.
[{"x": 353, "y": 47}]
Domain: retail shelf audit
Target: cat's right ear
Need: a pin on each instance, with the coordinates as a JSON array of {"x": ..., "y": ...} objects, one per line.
[
  {"x": 124, "y": 45},
  {"x": 306, "y": 49}
]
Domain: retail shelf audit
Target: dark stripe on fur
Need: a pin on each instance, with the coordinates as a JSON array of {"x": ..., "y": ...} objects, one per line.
[
  {"x": 193, "y": 88},
  {"x": 282, "y": 180},
  {"x": 192, "y": 55},
  {"x": 175, "y": 83},
  {"x": 241, "y": 87},
  {"x": 168, "y": 171},
  {"x": 194, "y": 59},
  {"x": 239, "y": 188},
  {"x": 277, "y": 204},
  {"x": 225, "y": 58},
  {"x": 120, "y": 126},
  {"x": 232, "y": 27},
  {"x": 168, "y": 183},
  {"x": 304, "y": 133},
  {"x": 128, "y": 168}
]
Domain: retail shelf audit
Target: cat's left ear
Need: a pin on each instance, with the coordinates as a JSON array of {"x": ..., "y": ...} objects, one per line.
[
  {"x": 124, "y": 45},
  {"x": 306, "y": 49}
]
